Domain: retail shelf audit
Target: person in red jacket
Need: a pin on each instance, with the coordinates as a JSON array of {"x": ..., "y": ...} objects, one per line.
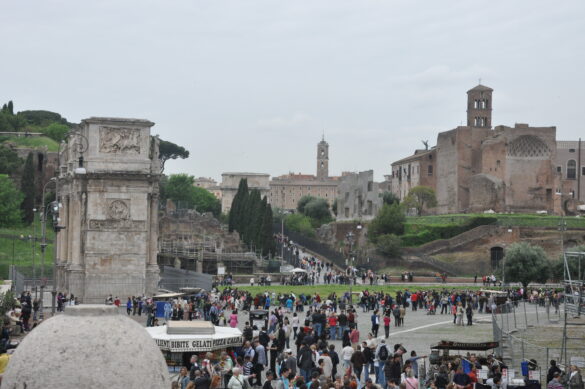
[{"x": 413, "y": 300}]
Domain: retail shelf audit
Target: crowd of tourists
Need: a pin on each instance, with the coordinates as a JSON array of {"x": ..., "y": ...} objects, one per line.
[{"x": 295, "y": 348}]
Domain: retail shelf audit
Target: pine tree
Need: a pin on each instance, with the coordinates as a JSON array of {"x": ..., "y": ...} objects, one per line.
[
  {"x": 10, "y": 108},
  {"x": 28, "y": 188}
]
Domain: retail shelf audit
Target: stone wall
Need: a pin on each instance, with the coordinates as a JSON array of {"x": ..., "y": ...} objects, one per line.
[{"x": 358, "y": 197}]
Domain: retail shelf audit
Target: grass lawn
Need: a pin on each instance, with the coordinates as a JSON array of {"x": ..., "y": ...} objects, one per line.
[
  {"x": 514, "y": 220},
  {"x": 341, "y": 289},
  {"x": 34, "y": 141},
  {"x": 16, "y": 244}
]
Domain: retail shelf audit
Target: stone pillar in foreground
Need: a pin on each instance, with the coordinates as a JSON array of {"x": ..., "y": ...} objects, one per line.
[{"x": 89, "y": 346}]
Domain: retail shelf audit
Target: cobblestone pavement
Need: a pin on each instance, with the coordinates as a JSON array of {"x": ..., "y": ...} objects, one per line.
[{"x": 419, "y": 332}]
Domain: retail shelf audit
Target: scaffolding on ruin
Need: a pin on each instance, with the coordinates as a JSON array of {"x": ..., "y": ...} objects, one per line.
[
  {"x": 574, "y": 269},
  {"x": 210, "y": 255}
]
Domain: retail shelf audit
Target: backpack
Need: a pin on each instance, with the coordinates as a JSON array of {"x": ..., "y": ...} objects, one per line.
[{"x": 383, "y": 353}]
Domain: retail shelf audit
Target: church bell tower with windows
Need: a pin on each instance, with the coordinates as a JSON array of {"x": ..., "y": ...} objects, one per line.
[
  {"x": 322, "y": 159},
  {"x": 479, "y": 107}
]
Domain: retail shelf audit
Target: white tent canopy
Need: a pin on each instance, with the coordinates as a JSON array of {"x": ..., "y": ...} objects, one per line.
[
  {"x": 298, "y": 270},
  {"x": 195, "y": 339}
]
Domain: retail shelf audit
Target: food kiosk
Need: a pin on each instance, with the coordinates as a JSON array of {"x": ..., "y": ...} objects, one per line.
[{"x": 179, "y": 340}]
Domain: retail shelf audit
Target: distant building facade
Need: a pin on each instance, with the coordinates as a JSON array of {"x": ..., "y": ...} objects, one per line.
[
  {"x": 417, "y": 170},
  {"x": 205, "y": 182},
  {"x": 475, "y": 168},
  {"x": 358, "y": 197},
  {"x": 287, "y": 190},
  {"x": 231, "y": 181}
]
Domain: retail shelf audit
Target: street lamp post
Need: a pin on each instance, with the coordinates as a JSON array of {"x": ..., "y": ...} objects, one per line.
[
  {"x": 350, "y": 236},
  {"x": 44, "y": 211}
]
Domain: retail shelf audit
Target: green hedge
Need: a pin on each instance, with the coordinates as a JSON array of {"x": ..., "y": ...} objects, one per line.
[{"x": 427, "y": 233}]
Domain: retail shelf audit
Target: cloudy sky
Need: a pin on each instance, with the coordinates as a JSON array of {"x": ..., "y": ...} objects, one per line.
[{"x": 251, "y": 85}]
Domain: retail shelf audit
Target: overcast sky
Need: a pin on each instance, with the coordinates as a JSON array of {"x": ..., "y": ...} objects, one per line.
[{"x": 251, "y": 85}]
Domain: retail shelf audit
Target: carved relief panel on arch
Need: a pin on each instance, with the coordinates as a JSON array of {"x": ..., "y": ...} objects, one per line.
[{"x": 119, "y": 140}]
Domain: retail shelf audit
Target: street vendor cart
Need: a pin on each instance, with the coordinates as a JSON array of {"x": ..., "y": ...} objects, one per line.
[
  {"x": 179, "y": 340},
  {"x": 259, "y": 318}
]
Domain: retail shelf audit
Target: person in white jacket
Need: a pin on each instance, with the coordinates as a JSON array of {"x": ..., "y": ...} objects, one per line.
[{"x": 239, "y": 381}]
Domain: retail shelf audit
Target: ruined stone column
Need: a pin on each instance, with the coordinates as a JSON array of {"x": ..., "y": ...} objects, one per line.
[
  {"x": 152, "y": 269},
  {"x": 75, "y": 282}
]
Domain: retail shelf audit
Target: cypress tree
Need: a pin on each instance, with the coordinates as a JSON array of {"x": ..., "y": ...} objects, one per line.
[
  {"x": 240, "y": 217},
  {"x": 249, "y": 228},
  {"x": 233, "y": 222},
  {"x": 259, "y": 221},
  {"x": 10, "y": 108},
  {"x": 266, "y": 231},
  {"x": 28, "y": 188}
]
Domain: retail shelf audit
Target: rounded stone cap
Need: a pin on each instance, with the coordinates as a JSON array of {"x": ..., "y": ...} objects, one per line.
[{"x": 87, "y": 346}]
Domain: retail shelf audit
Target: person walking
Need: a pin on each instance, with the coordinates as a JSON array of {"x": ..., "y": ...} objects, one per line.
[
  {"x": 459, "y": 314},
  {"x": 402, "y": 314},
  {"x": 469, "y": 314},
  {"x": 354, "y": 337},
  {"x": 234, "y": 319},
  {"x": 396, "y": 313},
  {"x": 375, "y": 318},
  {"x": 386, "y": 326},
  {"x": 575, "y": 378}
]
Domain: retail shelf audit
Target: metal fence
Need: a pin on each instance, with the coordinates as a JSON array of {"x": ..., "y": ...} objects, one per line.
[
  {"x": 27, "y": 278},
  {"x": 317, "y": 247},
  {"x": 518, "y": 327},
  {"x": 174, "y": 279}
]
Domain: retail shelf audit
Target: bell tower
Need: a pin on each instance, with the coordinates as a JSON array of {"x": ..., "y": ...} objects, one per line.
[
  {"x": 322, "y": 159},
  {"x": 479, "y": 106}
]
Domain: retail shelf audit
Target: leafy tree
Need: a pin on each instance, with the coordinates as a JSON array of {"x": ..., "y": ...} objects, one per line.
[
  {"x": 390, "y": 198},
  {"x": 181, "y": 189},
  {"x": 526, "y": 263},
  {"x": 42, "y": 118},
  {"x": 7, "y": 303},
  {"x": 205, "y": 201},
  {"x": 303, "y": 202},
  {"x": 420, "y": 197},
  {"x": 318, "y": 210},
  {"x": 390, "y": 220},
  {"x": 56, "y": 131},
  {"x": 169, "y": 150},
  {"x": 28, "y": 188},
  {"x": 10, "y": 200},
  {"x": 389, "y": 245},
  {"x": 9, "y": 160},
  {"x": 299, "y": 223}
]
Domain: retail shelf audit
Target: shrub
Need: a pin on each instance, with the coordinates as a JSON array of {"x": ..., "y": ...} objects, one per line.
[{"x": 389, "y": 245}]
